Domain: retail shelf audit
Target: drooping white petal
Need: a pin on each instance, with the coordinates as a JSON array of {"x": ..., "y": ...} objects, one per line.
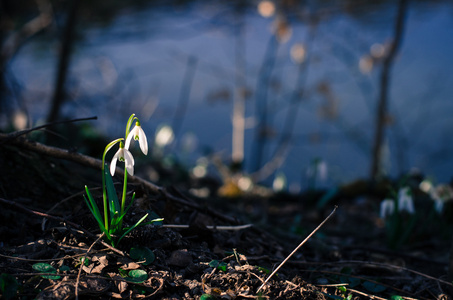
[
  {"x": 113, "y": 162},
  {"x": 129, "y": 161},
  {"x": 137, "y": 133},
  {"x": 129, "y": 138},
  {"x": 143, "y": 141},
  {"x": 405, "y": 201},
  {"x": 387, "y": 208}
]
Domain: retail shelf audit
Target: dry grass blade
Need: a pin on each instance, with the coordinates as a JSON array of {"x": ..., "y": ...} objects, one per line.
[{"x": 297, "y": 248}]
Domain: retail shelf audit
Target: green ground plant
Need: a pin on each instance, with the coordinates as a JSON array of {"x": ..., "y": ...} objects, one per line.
[{"x": 111, "y": 223}]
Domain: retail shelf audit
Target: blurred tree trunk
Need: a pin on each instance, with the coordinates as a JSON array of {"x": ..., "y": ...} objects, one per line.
[
  {"x": 240, "y": 91},
  {"x": 381, "y": 114},
  {"x": 67, "y": 40},
  {"x": 13, "y": 41}
]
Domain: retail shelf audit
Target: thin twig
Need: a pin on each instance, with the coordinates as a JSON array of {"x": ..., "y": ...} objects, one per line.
[
  {"x": 19, "y": 133},
  {"x": 83, "y": 263},
  {"x": 297, "y": 248},
  {"x": 97, "y": 164},
  {"x": 41, "y": 214},
  {"x": 221, "y": 228}
]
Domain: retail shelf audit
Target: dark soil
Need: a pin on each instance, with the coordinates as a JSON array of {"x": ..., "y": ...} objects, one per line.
[{"x": 44, "y": 219}]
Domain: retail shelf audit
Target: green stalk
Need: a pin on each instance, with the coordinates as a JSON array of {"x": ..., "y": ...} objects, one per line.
[
  {"x": 123, "y": 199},
  {"x": 129, "y": 123},
  {"x": 104, "y": 191}
]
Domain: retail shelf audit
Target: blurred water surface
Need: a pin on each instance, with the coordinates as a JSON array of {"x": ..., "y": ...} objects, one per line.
[{"x": 178, "y": 65}]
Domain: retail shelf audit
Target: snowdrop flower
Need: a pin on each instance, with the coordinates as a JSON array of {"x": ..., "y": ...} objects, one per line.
[
  {"x": 139, "y": 135},
  {"x": 387, "y": 208},
  {"x": 125, "y": 156},
  {"x": 405, "y": 201},
  {"x": 440, "y": 195}
]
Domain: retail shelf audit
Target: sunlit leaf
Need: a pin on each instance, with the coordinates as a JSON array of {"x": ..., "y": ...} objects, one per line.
[
  {"x": 137, "y": 276},
  {"x": 207, "y": 297},
  {"x": 342, "y": 288},
  {"x": 46, "y": 268},
  {"x": 85, "y": 261}
]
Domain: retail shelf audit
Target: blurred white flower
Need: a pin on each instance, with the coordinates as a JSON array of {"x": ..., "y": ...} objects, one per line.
[
  {"x": 164, "y": 136},
  {"x": 387, "y": 208},
  {"x": 322, "y": 170},
  {"x": 318, "y": 170},
  {"x": 440, "y": 194},
  {"x": 426, "y": 186},
  {"x": 438, "y": 205},
  {"x": 405, "y": 201},
  {"x": 279, "y": 183},
  {"x": 245, "y": 184}
]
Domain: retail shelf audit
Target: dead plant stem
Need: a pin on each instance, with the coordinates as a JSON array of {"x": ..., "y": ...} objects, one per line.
[{"x": 298, "y": 247}]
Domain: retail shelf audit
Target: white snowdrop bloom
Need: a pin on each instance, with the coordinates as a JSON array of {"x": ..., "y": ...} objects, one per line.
[
  {"x": 405, "y": 202},
  {"x": 387, "y": 208},
  {"x": 139, "y": 135},
  {"x": 125, "y": 156}
]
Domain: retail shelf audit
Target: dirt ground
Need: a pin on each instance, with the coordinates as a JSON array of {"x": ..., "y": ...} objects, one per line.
[{"x": 207, "y": 248}]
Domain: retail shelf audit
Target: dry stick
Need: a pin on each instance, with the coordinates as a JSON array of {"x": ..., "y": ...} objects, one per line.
[
  {"x": 82, "y": 264},
  {"x": 297, "y": 248},
  {"x": 97, "y": 164},
  {"x": 212, "y": 227},
  {"x": 19, "y": 133},
  {"x": 41, "y": 214}
]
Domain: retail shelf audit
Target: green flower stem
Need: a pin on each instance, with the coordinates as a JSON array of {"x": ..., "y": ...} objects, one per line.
[
  {"x": 123, "y": 198},
  {"x": 104, "y": 191},
  {"x": 129, "y": 124}
]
